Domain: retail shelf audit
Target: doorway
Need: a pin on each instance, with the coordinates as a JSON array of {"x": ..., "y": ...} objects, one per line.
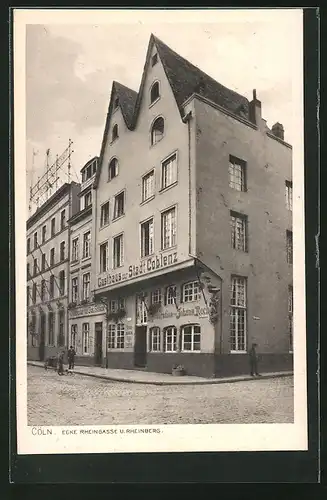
[
  {"x": 98, "y": 344},
  {"x": 140, "y": 346}
]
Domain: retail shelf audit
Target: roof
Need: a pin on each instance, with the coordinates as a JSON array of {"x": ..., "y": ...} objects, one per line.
[
  {"x": 89, "y": 162},
  {"x": 184, "y": 78}
]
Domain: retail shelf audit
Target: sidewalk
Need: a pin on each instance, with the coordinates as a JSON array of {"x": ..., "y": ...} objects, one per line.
[{"x": 143, "y": 377}]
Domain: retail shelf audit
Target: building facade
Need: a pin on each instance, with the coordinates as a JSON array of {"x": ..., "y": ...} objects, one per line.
[
  {"x": 47, "y": 271},
  {"x": 192, "y": 225},
  {"x": 86, "y": 318}
]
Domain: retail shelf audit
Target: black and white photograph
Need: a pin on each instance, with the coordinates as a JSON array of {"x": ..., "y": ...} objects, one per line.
[{"x": 159, "y": 191}]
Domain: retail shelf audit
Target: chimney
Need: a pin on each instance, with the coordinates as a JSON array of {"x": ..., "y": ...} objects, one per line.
[
  {"x": 255, "y": 109},
  {"x": 278, "y": 130}
]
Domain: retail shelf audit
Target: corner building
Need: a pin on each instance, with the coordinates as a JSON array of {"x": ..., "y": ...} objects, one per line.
[{"x": 192, "y": 225}]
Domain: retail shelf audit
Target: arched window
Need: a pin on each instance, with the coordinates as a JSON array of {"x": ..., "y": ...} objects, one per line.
[
  {"x": 114, "y": 132},
  {"x": 155, "y": 92},
  {"x": 170, "y": 339},
  {"x": 157, "y": 130},
  {"x": 113, "y": 169},
  {"x": 191, "y": 338}
]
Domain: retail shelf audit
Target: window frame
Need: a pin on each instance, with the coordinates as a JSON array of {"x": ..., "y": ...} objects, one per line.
[
  {"x": 44, "y": 233},
  {"x": 84, "y": 297},
  {"x": 114, "y": 132},
  {"x": 194, "y": 294},
  {"x": 114, "y": 160},
  {"x": 74, "y": 335},
  {"x": 121, "y": 193},
  {"x": 155, "y": 84},
  {"x": 154, "y": 59},
  {"x": 149, "y": 174},
  {"x": 62, "y": 251},
  {"x": 75, "y": 254},
  {"x": 167, "y": 302},
  {"x": 234, "y": 231},
  {"x": 62, "y": 219},
  {"x": 192, "y": 326},
  {"x": 162, "y": 214},
  {"x": 174, "y": 342},
  {"x": 237, "y": 308},
  {"x": 142, "y": 245},
  {"x": 104, "y": 223},
  {"x": 84, "y": 256},
  {"x": 86, "y": 332},
  {"x": 53, "y": 227},
  {"x": 164, "y": 163},
  {"x": 104, "y": 269},
  {"x": 289, "y": 195},
  {"x": 152, "y": 142},
  {"x": 235, "y": 161},
  {"x": 51, "y": 322},
  {"x": 62, "y": 289},
  {"x": 152, "y": 343},
  {"x": 289, "y": 247},
  {"x": 122, "y": 252},
  {"x": 74, "y": 296}
]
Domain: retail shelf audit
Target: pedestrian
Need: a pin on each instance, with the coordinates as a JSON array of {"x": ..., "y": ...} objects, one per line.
[
  {"x": 61, "y": 363},
  {"x": 254, "y": 360},
  {"x": 71, "y": 358}
]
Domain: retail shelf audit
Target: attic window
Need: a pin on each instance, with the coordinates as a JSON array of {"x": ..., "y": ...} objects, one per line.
[
  {"x": 114, "y": 132},
  {"x": 116, "y": 103},
  {"x": 155, "y": 92},
  {"x": 154, "y": 59},
  {"x": 157, "y": 130}
]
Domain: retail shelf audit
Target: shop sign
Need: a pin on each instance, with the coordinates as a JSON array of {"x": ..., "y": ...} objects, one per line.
[
  {"x": 145, "y": 266},
  {"x": 86, "y": 310},
  {"x": 197, "y": 311}
]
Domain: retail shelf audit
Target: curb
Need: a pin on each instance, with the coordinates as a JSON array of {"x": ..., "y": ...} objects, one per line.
[{"x": 154, "y": 382}]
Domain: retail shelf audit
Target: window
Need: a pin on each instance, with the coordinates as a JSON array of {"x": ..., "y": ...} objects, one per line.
[
  {"x": 191, "y": 338},
  {"x": 104, "y": 218},
  {"x": 289, "y": 195},
  {"x": 52, "y": 257},
  {"x": 170, "y": 295},
  {"x": 154, "y": 59},
  {"x": 120, "y": 336},
  {"x": 104, "y": 257},
  {"x": 73, "y": 337},
  {"x": 114, "y": 134},
  {"x": 85, "y": 338},
  {"x": 290, "y": 317},
  {"x": 35, "y": 241},
  {"x": 155, "y": 92},
  {"x": 62, "y": 219},
  {"x": 88, "y": 199},
  {"x": 43, "y": 262},
  {"x": 51, "y": 328},
  {"x": 116, "y": 304},
  {"x": 157, "y": 130},
  {"x": 34, "y": 267},
  {"x": 170, "y": 337},
  {"x": 86, "y": 286},
  {"x": 44, "y": 233},
  {"x": 191, "y": 292},
  {"x": 34, "y": 293},
  {"x": 62, "y": 282},
  {"x": 43, "y": 290},
  {"x": 238, "y": 315},
  {"x": 51, "y": 287},
  {"x": 75, "y": 249},
  {"x": 53, "y": 226},
  {"x": 28, "y": 295},
  {"x": 141, "y": 311},
  {"x": 169, "y": 171},
  {"x": 238, "y": 231},
  {"x": 118, "y": 252},
  {"x": 116, "y": 336},
  {"x": 61, "y": 333},
  {"x": 237, "y": 173},
  {"x": 119, "y": 206},
  {"x": 62, "y": 250},
  {"x": 28, "y": 245},
  {"x": 113, "y": 169},
  {"x": 289, "y": 247},
  {"x": 28, "y": 272},
  {"x": 168, "y": 228},
  {"x": 147, "y": 239},
  {"x": 155, "y": 339},
  {"x": 75, "y": 289},
  {"x": 148, "y": 186},
  {"x": 156, "y": 296},
  {"x": 116, "y": 103},
  {"x": 86, "y": 244}
]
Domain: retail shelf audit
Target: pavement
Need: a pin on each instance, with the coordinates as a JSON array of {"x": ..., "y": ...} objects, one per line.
[{"x": 143, "y": 377}]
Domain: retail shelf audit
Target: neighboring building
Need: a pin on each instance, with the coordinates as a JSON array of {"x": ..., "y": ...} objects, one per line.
[
  {"x": 47, "y": 272},
  {"x": 192, "y": 233},
  {"x": 86, "y": 319}
]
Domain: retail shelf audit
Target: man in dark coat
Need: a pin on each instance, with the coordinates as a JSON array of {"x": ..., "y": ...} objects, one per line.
[
  {"x": 253, "y": 360},
  {"x": 71, "y": 358}
]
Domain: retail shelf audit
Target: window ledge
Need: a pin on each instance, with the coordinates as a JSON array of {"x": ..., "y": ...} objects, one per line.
[
  {"x": 112, "y": 178},
  {"x": 168, "y": 249},
  {"x": 238, "y": 352},
  {"x": 119, "y": 217},
  {"x": 86, "y": 258},
  {"x": 147, "y": 200},
  {"x": 104, "y": 225},
  {"x": 147, "y": 256},
  {"x": 190, "y": 351},
  {"x": 74, "y": 262},
  {"x": 162, "y": 190}
]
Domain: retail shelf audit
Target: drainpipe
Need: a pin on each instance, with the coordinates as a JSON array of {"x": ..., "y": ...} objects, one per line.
[{"x": 187, "y": 119}]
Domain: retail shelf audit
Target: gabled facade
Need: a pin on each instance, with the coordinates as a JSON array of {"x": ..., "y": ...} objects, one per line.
[{"x": 190, "y": 223}]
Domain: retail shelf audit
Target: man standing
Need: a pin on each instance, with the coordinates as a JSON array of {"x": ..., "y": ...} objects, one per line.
[
  {"x": 71, "y": 358},
  {"x": 253, "y": 360}
]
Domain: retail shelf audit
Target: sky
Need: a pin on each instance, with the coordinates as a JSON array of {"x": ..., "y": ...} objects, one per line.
[{"x": 70, "y": 69}]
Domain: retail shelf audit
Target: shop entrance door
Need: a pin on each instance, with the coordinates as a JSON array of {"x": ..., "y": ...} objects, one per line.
[
  {"x": 140, "y": 346},
  {"x": 98, "y": 343}
]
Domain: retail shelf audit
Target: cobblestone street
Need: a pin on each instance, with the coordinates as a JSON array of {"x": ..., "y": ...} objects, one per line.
[{"x": 81, "y": 400}]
